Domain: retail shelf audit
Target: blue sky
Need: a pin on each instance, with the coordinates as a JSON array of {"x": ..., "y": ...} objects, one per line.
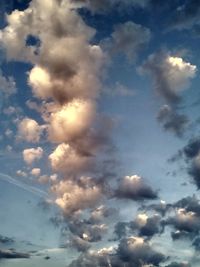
[{"x": 99, "y": 137}]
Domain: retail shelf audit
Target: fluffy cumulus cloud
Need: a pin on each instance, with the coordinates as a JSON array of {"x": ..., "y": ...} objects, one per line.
[
  {"x": 36, "y": 172},
  {"x": 86, "y": 231},
  {"x": 134, "y": 188},
  {"x": 142, "y": 226},
  {"x": 171, "y": 75},
  {"x": 129, "y": 38},
  {"x": 66, "y": 79},
  {"x": 185, "y": 221},
  {"x": 67, "y": 160},
  {"x": 32, "y": 154},
  {"x": 71, "y": 121},
  {"x": 147, "y": 226},
  {"x": 29, "y": 130},
  {"x": 132, "y": 252},
  {"x": 73, "y": 197},
  {"x": 185, "y": 218}
]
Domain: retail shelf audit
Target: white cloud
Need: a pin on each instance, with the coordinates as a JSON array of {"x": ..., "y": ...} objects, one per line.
[
  {"x": 32, "y": 154},
  {"x": 67, "y": 160},
  {"x": 35, "y": 172},
  {"x": 171, "y": 74},
  {"x": 72, "y": 197},
  {"x": 71, "y": 121},
  {"x": 29, "y": 130}
]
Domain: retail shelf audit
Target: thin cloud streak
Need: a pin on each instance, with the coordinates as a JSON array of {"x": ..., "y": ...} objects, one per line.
[{"x": 27, "y": 188}]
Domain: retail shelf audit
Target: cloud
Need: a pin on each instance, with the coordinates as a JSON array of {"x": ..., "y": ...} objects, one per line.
[
  {"x": 71, "y": 121},
  {"x": 178, "y": 264},
  {"x": 101, "y": 6},
  {"x": 192, "y": 155},
  {"x": 29, "y": 130},
  {"x": 147, "y": 226},
  {"x": 101, "y": 213},
  {"x": 10, "y": 254},
  {"x": 196, "y": 244},
  {"x": 142, "y": 226},
  {"x": 86, "y": 231},
  {"x": 185, "y": 221},
  {"x": 119, "y": 90},
  {"x": 134, "y": 188},
  {"x": 67, "y": 160},
  {"x": 79, "y": 244},
  {"x": 132, "y": 252},
  {"x": 193, "y": 148},
  {"x": 66, "y": 80},
  {"x": 73, "y": 197},
  {"x": 162, "y": 207},
  {"x": 128, "y": 38},
  {"x": 7, "y": 85},
  {"x": 137, "y": 252},
  {"x": 171, "y": 75},
  {"x": 190, "y": 204},
  {"x": 32, "y": 154},
  {"x": 186, "y": 218},
  {"x": 35, "y": 172},
  {"x": 185, "y": 16},
  {"x": 172, "y": 121},
  {"x": 6, "y": 240},
  {"x": 21, "y": 173}
]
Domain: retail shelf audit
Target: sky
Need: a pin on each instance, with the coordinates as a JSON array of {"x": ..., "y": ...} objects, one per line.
[{"x": 99, "y": 136}]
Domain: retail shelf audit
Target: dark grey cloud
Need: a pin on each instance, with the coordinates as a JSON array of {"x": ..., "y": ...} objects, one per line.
[
  {"x": 176, "y": 235},
  {"x": 6, "y": 240},
  {"x": 184, "y": 221},
  {"x": 172, "y": 121},
  {"x": 152, "y": 227},
  {"x": 178, "y": 264},
  {"x": 143, "y": 226},
  {"x": 193, "y": 148},
  {"x": 186, "y": 218},
  {"x": 190, "y": 203},
  {"x": 192, "y": 155},
  {"x": 128, "y": 38},
  {"x": 120, "y": 230},
  {"x": 86, "y": 231},
  {"x": 196, "y": 244},
  {"x": 134, "y": 188},
  {"x": 79, "y": 244},
  {"x": 162, "y": 207},
  {"x": 136, "y": 253},
  {"x": 131, "y": 252},
  {"x": 10, "y": 254}
]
